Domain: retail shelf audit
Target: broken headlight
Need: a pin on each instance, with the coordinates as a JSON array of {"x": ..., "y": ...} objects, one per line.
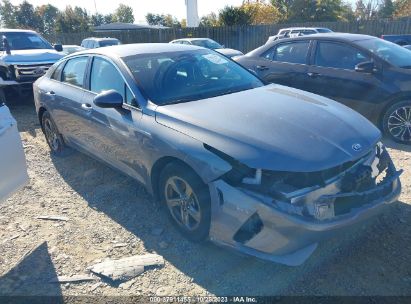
[{"x": 240, "y": 173}]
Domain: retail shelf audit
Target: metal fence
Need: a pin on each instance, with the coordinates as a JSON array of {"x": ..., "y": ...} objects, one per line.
[{"x": 244, "y": 38}]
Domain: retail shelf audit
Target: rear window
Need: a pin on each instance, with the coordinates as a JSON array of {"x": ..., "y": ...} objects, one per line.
[{"x": 292, "y": 52}]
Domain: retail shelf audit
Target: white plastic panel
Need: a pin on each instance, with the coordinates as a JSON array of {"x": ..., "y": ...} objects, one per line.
[{"x": 13, "y": 168}]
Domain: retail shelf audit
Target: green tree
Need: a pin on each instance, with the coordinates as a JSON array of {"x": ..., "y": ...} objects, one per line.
[
  {"x": 231, "y": 15},
  {"x": 8, "y": 14},
  {"x": 209, "y": 20},
  {"x": 48, "y": 15},
  {"x": 283, "y": 6},
  {"x": 73, "y": 20},
  {"x": 162, "y": 20},
  {"x": 97, "y": 19},
  {"x": 27, "y": 18},
  {"x": 124, "y": 13},
  {"x": 366, "y": 9},
  {"x": 261, "y": 12},
  {"x": 319, "y": 10},
  {"x": 109, "y": 18},
  {"x": 386, "y": 9}
]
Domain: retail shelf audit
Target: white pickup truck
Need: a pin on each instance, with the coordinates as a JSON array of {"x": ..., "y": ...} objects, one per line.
[
  {"x": 13, "y": 169},
  {"x": 24, "y": 57}
]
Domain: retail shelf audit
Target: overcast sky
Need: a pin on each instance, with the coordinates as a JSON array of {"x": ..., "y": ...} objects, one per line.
[{"x": 141, "y": 7}]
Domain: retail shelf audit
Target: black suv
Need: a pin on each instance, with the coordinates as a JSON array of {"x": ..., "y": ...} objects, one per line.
[{"x": 368, "y": 74}]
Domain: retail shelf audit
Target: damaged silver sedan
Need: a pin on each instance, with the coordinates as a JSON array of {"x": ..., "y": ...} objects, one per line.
[{"x": 266, "y": 170}]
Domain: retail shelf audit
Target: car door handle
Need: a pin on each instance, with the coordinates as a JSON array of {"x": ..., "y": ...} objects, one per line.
[
  {"x": 51, "y": 93},
  {"x": 313, "y": 75},
  {"x": 86, "y": 107},
  {"x": 262, "y": 67}
]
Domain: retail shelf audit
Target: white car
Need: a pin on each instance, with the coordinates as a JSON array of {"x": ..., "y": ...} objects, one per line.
[
  {"x": 13, "y": 169},
  {"x": 292, "y": 32}
]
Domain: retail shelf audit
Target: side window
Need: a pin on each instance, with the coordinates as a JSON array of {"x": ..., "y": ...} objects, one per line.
[
  {"x": 57, "y": 72},
  {"x": 292, "y": 52},
  {"x": 74, "y": 71},
  {"x": 338, "y": 56},
  {"x": 104, "y": 76}
]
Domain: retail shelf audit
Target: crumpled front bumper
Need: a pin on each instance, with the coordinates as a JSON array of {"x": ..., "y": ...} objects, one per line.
[{"x": 282, "y": 237}]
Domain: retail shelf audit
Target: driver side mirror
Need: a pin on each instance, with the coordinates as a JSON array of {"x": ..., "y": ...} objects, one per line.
[
  {"x": 58, "y": 47},
  {"x": 108, "y": 99},
  {"x": 365, "y": 67},
  {"x": 6, "y": 46}
]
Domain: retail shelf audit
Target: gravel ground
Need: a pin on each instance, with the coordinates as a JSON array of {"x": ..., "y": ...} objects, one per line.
[{"x": 110, "y": 216}]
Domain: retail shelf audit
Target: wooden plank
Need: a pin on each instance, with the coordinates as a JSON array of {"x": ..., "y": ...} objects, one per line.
[{"x": 73, "y": 279}]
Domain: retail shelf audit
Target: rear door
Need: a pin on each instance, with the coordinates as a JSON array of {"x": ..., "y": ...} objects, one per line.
[
  {"x": 332, "y": 74},
  {"x": 13, "y": 170},
  {"x": 286, "y": 63},
  {"x": 65, "y": 93}
]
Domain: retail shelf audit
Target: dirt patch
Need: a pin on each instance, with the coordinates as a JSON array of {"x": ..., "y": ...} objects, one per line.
[{"x": 104, "y": 208}]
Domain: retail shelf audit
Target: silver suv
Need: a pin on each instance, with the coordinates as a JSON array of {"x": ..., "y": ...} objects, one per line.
[
  {"x": 93, "y": 43},
  {"x": 297, "y": 31}
]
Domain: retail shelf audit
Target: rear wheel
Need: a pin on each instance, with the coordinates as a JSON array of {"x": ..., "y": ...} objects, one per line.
[
  {"x": 53, "y": 137},
  {"x": 397, "y": 122},
  {"x": 187, "y": 200}
]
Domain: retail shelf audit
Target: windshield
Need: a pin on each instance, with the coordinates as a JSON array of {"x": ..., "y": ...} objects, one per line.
[
  {"x": 207, "y": 43},
  {"x": 390, "y": 52},
  {"x": 25, "y": 41},
  {"x": 104, "y": 43},
  {"x": 183, "y": 76}
]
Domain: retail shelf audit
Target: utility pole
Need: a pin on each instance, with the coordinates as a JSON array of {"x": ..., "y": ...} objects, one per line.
[{"x": 95, "y": 6}]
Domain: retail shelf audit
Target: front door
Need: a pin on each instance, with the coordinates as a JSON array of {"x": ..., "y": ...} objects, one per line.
[
  {"x": 113, "y": 132},
  {"x": 332, "y": 74}
]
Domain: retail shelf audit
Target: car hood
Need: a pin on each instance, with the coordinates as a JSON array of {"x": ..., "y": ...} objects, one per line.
[
  {"x": 31, "y": 56},
  {"x": 275, "y": 128},
  {"x": 229, "y": 52}
]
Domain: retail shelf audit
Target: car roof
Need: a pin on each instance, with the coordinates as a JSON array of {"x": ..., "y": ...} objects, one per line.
[
  {"x": 335, "y": 36},
  {"x": 100, "y": 38},
  {"x": 192, "y": 39},
  {"x": 304, "y": 28},
  {"x": 126, "y": 50},
  {"x": 16, "y": 30}
]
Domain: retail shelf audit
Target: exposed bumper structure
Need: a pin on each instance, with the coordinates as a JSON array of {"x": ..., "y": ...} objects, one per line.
[{"x": 264, "y": 227}]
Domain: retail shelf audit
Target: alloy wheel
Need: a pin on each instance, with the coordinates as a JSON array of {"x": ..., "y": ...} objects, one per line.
[
  {"x": 399, "y": 123},
  {"x": 51, "y": 135},
  {"x": 182, "y": 203}
]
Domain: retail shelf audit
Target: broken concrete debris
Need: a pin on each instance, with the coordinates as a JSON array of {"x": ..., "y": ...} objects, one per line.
[{"x": 126, "y": 268}]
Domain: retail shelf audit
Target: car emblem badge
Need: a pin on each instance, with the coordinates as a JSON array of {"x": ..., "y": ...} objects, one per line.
[
  {"x": 38, "y": 71},
  {"x": 356, "y": 147}
]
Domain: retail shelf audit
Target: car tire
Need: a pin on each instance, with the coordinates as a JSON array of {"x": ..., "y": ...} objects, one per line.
[
  {"x": 53, "y": 137},
  {"x": 396, "y": 122},
  {"x": 187, "y": 200}
]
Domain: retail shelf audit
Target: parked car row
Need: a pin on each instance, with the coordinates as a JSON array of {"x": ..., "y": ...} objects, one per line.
[{"x": 268, "y": 170}]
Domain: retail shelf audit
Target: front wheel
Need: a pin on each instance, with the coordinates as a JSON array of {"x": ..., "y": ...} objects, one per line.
[
  {"x": 187, "y": 200},
  {"x": 397, "y": 122}
]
